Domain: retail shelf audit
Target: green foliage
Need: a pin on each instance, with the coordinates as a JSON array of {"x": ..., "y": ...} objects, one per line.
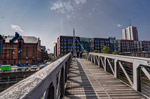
[
  {"x": 85, "y": 51},
  {"x": 105, "y": 50},
  {"x": 115, "y": 52},
  {"x": 95, "y": 51},
  {"x": 45, "y": 56}
]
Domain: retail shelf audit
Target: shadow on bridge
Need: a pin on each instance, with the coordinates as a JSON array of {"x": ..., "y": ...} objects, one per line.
[{"x": 78, "y": 85}]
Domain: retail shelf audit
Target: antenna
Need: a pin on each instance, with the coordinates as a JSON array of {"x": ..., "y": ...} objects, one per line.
[
  {"x": 73, "y": 42},
  {"x": 129, "y": 22}
]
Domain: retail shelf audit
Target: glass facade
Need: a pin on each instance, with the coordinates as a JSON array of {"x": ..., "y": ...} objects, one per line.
[
  {"x": 114, "y": 44},
  {"x": 87, "y": 44}
]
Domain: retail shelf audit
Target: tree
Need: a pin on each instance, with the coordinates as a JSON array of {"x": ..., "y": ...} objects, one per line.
[
  {"x": 95, "y": 51},
  {"x": 45, "y": 56},
  {"x": 115, "y": 52},
  {"x": 85, "y": 51},
  {"x": 105, "y": 50}
]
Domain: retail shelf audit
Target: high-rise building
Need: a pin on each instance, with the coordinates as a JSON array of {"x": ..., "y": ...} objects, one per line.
[{"x": 130, "y": 33}]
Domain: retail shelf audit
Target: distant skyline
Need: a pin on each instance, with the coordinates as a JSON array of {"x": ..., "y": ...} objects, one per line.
[{"x": 49, "y": 19}]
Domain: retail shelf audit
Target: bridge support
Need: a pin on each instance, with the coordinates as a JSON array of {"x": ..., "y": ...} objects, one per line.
[
  {"x": 62, "y": 83},
  {"x": 136, "y": 76},
  {"x": 51, "y": 92}
]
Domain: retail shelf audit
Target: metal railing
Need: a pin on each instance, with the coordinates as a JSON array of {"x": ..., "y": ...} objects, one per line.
[
  {"x": 135, "y": 71},
  {"x": 48, "y": 83}
]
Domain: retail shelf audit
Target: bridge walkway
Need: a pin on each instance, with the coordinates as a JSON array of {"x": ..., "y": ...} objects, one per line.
[{"x": 88, "y": 81}]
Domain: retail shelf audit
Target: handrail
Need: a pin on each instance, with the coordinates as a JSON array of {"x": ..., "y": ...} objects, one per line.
[
  {"x": 139, "y": 67},
  {"x": 140, "y": 60},
  {"x": 35, "y": 85},
  {"x": 131, "y": 57}
]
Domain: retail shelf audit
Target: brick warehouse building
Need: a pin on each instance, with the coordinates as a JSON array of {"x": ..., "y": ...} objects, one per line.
[
  {"x": 99, "y": 43},
  {"x": 64, "y": 45},
  {"x": 131, "y": 46},
  {"x": 20, "y": 50},
  {"x": 55, "y": 49},
  {"x": 146, "y": 46}
]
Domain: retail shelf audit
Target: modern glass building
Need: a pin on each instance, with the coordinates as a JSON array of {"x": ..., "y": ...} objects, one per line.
[
  {"x": 86, "y": 44},
  {"x": 114, "y": 44}
]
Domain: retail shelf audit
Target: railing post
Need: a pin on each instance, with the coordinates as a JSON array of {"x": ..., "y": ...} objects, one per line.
[
  {"x": 115, "y": 68},
  {"x": 98, "y": 61},
  {"x": 105, "y": 64},
  {"x": 95, "y": 60},
  {"x": 136, "y": 76},
  {"x": 92, "y": 58}
]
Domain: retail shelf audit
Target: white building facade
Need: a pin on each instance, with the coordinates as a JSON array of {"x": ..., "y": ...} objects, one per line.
[{"x": 130, "y": 33}]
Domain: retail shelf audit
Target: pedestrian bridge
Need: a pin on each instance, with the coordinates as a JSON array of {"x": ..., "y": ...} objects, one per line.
[{"x": 99, "y": 76}]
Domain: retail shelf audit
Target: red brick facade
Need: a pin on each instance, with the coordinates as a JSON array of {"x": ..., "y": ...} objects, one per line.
[
  {"x": 20, "y": 51},
  {"x": 64, "y": 45},
  {"x": 55, "y": 50},
  {"x": 146, "y": 46},
  {"x": 99, "y": 43}
]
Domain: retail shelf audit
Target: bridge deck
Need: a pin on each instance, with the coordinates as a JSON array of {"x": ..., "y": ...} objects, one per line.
[{"x": 87, "y": 81}]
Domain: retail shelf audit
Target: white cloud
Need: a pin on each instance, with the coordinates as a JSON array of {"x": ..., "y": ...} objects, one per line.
[
  {"x": 16, "y": 27},
  {"x": 119, "y": 25},
  {"x": 68, "y": 16},
  {"x": 53, "y": 42},
  {"x": 64, "y": 6},
  {"x": 80, "y": 1},
  {"x": 92, "y": 11}
]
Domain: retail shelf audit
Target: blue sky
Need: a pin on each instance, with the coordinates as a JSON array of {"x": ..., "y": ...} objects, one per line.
[{"x": 48, "y": 19}]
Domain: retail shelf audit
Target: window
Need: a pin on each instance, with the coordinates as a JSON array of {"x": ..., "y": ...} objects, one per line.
[
  {"x": 70, "y": 39},
  {"x": 102, "y": 41},
  {"x": 26, "y": 51},
  {"x": 70, "y": 43},
  {"x": 12, "y": 54},
  {"x": 69, "y": 46},
  {"x": 33, "y": 51}
]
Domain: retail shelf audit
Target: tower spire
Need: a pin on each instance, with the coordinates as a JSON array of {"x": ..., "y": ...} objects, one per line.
[
  {"x": 129, "y": 22},
  {"x": 73, "y": 42}
]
